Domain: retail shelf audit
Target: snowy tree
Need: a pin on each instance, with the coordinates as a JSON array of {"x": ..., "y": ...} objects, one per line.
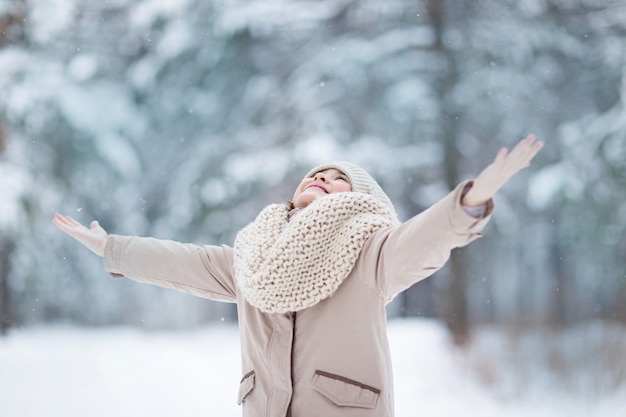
[{"x": 182, "y": 119}]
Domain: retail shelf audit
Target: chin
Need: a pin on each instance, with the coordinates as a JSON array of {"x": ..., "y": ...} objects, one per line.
[{"x": 303, "y": 202}]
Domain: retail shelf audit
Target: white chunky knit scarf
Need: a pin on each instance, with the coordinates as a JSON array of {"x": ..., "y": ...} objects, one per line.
[{"x": 283, "y": 266}]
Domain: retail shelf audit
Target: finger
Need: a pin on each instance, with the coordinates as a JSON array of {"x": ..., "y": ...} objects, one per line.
[
  {"x": 61, "y": 221},
  {"x": 94, "y": 224},
  {"x": 68, "y": 224},
  {"x": 529, "y": 153},
  {"x": 525, "y": 150},
  {"x": 58, "y": 218},
  {"x": 71, "y": 221},
  {"x": 75, "y": 224},
  {"x": 524, "y": 144},
  {"x": 501, "y": 155},
  {"x": 536, "y": 148},
  {"x": 57, "y": 221}
]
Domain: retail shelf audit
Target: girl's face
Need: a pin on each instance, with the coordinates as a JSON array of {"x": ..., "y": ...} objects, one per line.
[{"x": 323, "y": 183}]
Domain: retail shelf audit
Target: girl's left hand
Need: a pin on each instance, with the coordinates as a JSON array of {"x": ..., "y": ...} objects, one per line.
[{"x": 506, "y": 164}]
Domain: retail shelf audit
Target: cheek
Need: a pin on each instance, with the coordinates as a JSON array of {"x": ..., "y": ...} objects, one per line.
[
  {"x": 342, "y": 186},
  {"x": 299, "y": 189}
]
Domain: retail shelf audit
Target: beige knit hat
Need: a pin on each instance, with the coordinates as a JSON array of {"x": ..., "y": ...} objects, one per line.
[{"x": 360, "y": 180}]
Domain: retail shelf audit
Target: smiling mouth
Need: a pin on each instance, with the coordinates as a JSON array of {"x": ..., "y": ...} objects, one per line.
[{"x": 319, "y": 187}]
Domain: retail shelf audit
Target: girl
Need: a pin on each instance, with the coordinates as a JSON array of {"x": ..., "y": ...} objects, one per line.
[{"x": 311, "y": 280}]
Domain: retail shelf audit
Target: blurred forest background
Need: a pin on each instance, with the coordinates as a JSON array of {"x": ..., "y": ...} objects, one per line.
[{"x": 182, "y": 119}]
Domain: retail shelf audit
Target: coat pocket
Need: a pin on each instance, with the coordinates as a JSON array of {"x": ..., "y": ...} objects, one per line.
[
  {"x": 345, "y": 392},
  {"x": 245, "y": 387}
]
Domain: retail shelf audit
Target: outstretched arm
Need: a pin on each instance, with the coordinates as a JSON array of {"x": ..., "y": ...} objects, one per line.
[
  {"x": 204, "y": 271},
  {"x": 93, "y": 238},
  {"x": 506, "y": 164},
  {"x": 422, "y": 245}
]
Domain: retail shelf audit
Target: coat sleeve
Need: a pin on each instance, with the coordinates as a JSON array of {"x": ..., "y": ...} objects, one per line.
[
  {"x": 420, "y": 246},
  {"x": 204, "y": 271}
]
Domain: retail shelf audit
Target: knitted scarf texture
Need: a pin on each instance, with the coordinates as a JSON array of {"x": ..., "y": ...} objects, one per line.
[{"x": 284, "y": 265}]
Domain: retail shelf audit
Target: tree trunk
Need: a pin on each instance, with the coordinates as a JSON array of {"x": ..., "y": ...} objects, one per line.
[
  {"x": 455, "y": 298},
  {"x": 6, "y": 249},
  {"x": 559, "y": 299}
]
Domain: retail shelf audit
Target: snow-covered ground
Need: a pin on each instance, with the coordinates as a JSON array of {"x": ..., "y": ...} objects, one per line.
[{"x": 124, "y": 372}]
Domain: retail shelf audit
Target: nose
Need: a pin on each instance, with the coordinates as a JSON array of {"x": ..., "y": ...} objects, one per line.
[{"x": 320, "y": 176}]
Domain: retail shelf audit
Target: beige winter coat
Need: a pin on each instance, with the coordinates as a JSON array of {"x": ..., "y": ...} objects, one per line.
[{"x": 332, "y": 359}]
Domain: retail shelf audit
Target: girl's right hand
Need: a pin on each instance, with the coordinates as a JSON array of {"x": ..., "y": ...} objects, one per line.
[{"x": 94, "y": 238}]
